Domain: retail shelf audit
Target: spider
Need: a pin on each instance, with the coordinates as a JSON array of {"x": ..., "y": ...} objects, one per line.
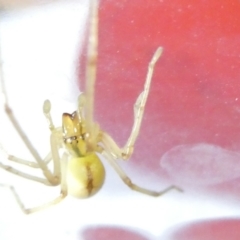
[{"x": 79, "y": 171}]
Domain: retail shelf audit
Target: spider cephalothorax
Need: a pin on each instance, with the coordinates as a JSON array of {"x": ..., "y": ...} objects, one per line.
[{"x": 74, "y": 134}]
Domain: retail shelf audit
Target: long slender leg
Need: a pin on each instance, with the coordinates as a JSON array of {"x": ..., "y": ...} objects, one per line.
[
  {"x": 127, "y": 150},
  {"x": 31, "y": 164},
  {"x": 81, "y": 105},
  {"x": 32, "y": 210},
  {"x": 58, "y": 199},
  {"x": 42, "y": 164},
  {"x": 131, "y": 185},
  {"x": 55, "y": 140},
  {"x": 47, "y": 173},
  {"x": 91, "y": 66},
  {"x": 18, "y": 160},
  {"x": 24, "y": 175},
  {"x": 140, "y": 106},
  {"x": 12, "y": 189},
  {"x": 62, "y": 194},
  {"x": 52, "y": 178},
  {"x": 55, "y": 145}
]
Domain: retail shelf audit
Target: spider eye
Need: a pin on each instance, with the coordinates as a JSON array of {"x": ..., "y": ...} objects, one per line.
[{"x": 76, "y": 146}]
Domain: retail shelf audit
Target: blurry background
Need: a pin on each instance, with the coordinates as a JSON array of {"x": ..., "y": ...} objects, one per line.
[{"x": 189, "y": 135}]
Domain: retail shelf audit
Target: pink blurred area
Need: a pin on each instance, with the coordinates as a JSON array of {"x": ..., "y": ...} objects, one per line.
[
  {"x": 224, "y": 229},
  {"x": 107, "y": 232},
  {"x": 194, "y": 97}
]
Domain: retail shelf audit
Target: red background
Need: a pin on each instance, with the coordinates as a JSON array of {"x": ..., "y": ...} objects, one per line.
[{"x": 195, "y": 91}]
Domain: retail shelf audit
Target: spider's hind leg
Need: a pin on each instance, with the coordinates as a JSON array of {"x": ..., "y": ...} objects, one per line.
[
  {"x": 55, "y": 201},
  {"x": 133, "y": 186}
]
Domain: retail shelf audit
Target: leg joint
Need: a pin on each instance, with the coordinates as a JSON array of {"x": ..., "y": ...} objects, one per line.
[
  {"x": 128, "y": 181},
  {"x": 127, "y": 153},
  {"x": 8, "y": 110}
]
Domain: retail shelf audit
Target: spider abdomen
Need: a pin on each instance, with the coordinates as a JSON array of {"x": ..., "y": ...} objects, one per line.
[{"x": 85, "y": 175}]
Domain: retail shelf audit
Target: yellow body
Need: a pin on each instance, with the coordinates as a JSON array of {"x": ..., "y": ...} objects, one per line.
[{"x": 85, "y": 176}]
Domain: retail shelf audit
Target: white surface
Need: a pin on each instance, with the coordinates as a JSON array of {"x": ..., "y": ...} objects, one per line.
[{"x": 40, "y": 47}]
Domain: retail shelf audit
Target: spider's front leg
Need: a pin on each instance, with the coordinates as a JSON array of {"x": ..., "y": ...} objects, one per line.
[
  {"x": 111, "y": 151},
  {"x": 139, "y": 107}
]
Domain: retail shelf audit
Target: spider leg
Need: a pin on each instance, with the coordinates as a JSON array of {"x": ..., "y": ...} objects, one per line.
[
  {"x": 12, "y": 189},
  {"x": 18, "y": 160},
  {"x": 139, "y": 106},
  {"x": 58, "y": 199},
  {"x": 47, "y": 173},
  {"x": 55, "y": 139},
  {"x": 91, "y": 65},
  {"x": 56, "y": 175},
  {"x": 27, "y": 163},
  {"x": 24, "y": 175},
  {"x": 52, "y": 178},
  {"x": 31, "y": 164},
  {"x": 129, "y": 183}
]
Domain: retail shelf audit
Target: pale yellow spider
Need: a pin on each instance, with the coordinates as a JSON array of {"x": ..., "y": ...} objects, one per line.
[{"x": 79, "y": 170}]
